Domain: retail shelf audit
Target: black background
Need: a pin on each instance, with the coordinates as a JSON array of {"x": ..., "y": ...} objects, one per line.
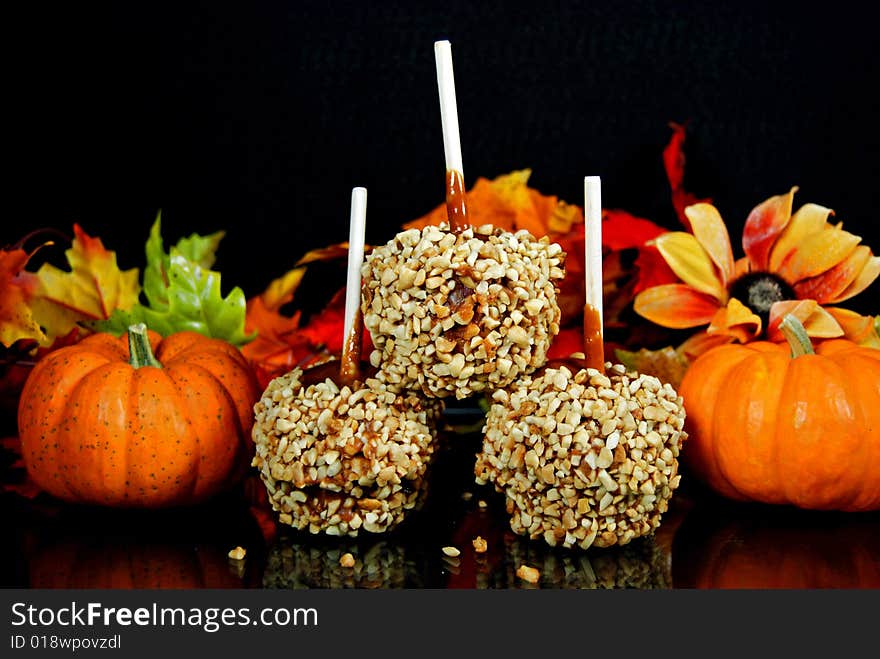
[{"x": 259, "y": 117}]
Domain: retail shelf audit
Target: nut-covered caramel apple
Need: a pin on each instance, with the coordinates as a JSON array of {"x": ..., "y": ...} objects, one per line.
[
  {"x": 584, "y": 458},
  {"x": 458, "y": 313},
  {"x": 337, "y": 450},
  {"x": 585, "y": 452},
  {"x": 338, "y": 459}
]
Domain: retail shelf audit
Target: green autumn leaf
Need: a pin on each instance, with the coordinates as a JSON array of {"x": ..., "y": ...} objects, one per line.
[
  {"x": 198, "y": 249},
  {"x": 183, "y": 293}
]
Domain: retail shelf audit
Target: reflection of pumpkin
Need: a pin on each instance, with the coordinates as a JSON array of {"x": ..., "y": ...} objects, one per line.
[
  {"x": 102, "y": 423},
  {"x": 804, "y": 430},
  {"x": 739, "y": 546},
  {"x": 87, "y": 548}
]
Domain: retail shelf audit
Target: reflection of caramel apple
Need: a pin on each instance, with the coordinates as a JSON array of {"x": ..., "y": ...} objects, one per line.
[
  {"x": 641, "y": 564},
  {"x": 336, "y": 460},
  {"x": 294, "y": 564},
  {"x": 457, "y": 313},
  {"x": 584, "y": 458}
]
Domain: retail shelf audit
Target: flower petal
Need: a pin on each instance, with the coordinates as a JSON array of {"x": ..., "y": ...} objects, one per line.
[
  {"x": 818, "y": 322},
  {"x": 741, "y": 267},
  {"x": 856, "y": 328},
  {"x": 763, "y": 226},
  {"x": 833, "y": 282},
  {"x": 864, "y": 279},
  {"x": 676, "y": 306},
  {"x": 701, "y": 342},
  {"x": 817, "y": 253},
  {"x": 690, "y": 262},
  {"x": 736, "y": 320},
  {"x": 709, "y": 230},
  {"x": 809, "y": 219}
]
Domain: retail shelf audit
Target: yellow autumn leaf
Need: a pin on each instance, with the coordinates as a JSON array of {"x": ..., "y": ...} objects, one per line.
[
  {"x": 92, "y": 289},
  {"x": 667, "y": 364}
]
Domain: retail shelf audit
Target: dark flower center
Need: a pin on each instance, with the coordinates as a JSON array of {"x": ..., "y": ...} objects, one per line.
[{"x": 759, "y": 290}]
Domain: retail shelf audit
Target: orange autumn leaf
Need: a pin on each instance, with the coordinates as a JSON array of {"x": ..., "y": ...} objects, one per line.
[
  {"x": 278, "y": 347},
  {"x": 508, "y": 203},
  {"x": 282, "y": 342},
  {"x": 329, "y": 253},
  {"x": 92, "y": 289},
  {"x": 17, "y": 288}
]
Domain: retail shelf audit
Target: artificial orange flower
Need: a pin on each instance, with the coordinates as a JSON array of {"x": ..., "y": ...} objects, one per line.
[{"x": 794, "y": 263}]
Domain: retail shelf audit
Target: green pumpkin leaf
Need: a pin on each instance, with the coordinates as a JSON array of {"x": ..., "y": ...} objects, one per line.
[{"x": 183, "y": 293}]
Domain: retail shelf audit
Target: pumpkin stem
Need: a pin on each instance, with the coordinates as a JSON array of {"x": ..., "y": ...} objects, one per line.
[
  {"x": 796, "y": 335},
  {"x": 139, "y": 349}
]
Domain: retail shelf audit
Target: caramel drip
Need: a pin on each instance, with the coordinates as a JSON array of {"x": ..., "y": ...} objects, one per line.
[
  {"x": 350, "y": 366},
  {"x": 594, "y": 348},
  {"x": 456, "y": 208}
]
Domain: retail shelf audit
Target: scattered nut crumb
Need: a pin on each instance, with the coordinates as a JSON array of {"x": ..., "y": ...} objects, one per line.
[
  {"x": 527, "y": 573},
  {"x": 481, "y": 503},
  {"x": 451, "y": 551},
  {"x": 346, "y": 560},
  {"x": 237, "y": 554},
  {"x": 467, "y": 496},
  {"x": 480, "y": 545}
]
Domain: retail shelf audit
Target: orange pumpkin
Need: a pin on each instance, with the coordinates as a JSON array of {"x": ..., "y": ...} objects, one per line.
[
  {"x": 782, "y": 424},
  {"x": 106, "y": 422}
]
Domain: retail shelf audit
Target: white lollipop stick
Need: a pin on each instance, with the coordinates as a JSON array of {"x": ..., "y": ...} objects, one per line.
[
  {"x": 594, "y": 348},
  {"x": 448, "y": 106},
  {"x": 456, "y": 208},
  {"x": 593, "y": 242},
  {"x": 357, "y": 227}
]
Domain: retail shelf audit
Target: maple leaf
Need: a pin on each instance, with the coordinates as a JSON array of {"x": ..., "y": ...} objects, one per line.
[
  {"x": 282, "y": 343},
  {"x": 508, "y": 203},
  {"x": 278, "y": 347},
  {"x": 17, "y": 288},
  {"x": 92, "y": 290},
  {"x": 183, "y": 293}
]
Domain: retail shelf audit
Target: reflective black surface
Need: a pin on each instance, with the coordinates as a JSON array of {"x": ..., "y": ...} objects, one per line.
[{"x": 703, "y": 542}]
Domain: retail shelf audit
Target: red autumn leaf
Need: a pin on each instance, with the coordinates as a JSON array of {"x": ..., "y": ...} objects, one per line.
[
  {"x": 282, "y": 342},
  {"x": 622, "y": 230},
  {"x": 569, "y": 341},
  {"x": 673, "y": 163},
  {"x": 653, "y": 269},
  {"x": 327, "y": 327},
  {"x": 17, "y": 289}
]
